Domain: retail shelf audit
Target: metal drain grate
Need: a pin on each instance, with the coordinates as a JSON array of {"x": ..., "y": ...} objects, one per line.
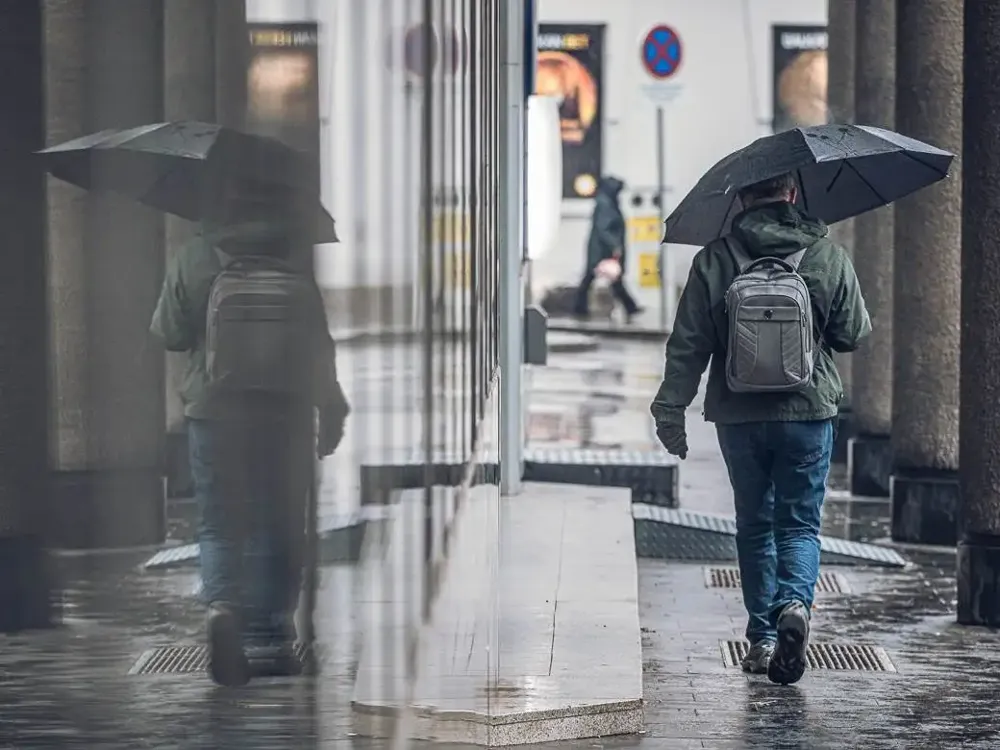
[
  {"x": 729, "y": 578},
  {"x": 842, "y": 657},
  {"x": 183, "y": 660}
]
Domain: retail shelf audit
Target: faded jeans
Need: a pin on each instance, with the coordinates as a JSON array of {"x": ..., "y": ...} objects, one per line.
[
  {"x": 778, "y": 471},
  {"x": 251, "y": 478}
]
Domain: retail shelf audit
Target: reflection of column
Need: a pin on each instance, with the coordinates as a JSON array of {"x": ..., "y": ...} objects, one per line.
[
  {"x": 65, "y": 105},
  {"x": 840, "y": 104},
  {"x": 115, "y": 498},
  {"x": 979, "y": 443},
  {"x": 927, "y": 283},
  {"x": 205, "y": 57},
  {"x": 870, "y": 451},
  {"x": 189, "y": 94},
  {"x": 24, "y": 590}
]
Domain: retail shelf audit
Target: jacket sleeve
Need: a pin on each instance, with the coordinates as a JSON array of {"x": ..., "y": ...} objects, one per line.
[
  {"x": 172, "y": 319},
  {"x": 689, "y": 349},
  {"x": 848, "y": 322},
  {"x": 331, "y": 399}
]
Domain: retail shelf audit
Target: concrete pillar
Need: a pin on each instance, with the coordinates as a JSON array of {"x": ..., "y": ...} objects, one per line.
[
  {"x": 927, "y": 289},
  {"x": 66, "y": 114},
  {"x": 205, "y": 48},
  {"x": 25, "y": 598},
  {"x": 869, "y": 459},
  {"x": 111, "y": 495},
  {"x": 979, "y": 423},
  {"x": 840, "y": 108}
]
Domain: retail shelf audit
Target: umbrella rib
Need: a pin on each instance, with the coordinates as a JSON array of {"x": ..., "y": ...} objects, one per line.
[
  {"x": 802, "y": 187},
  {"x": 922, "y": 163},
  {"x": 865, "y": 180}
]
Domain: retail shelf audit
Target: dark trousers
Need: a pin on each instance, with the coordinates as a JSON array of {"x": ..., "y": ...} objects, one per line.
[
  {"x": 252, "y": 476},
  {"x": 582, "y": 306}
]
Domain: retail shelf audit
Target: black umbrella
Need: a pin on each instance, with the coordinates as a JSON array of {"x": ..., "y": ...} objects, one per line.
[
  {"x": 187, "y": 168},
  {"x": 842, "y": 171}
]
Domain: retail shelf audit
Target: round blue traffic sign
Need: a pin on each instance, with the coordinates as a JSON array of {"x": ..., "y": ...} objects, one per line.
[{"x": 662, "y": 52}]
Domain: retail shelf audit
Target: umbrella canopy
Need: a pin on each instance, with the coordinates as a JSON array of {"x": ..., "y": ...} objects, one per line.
[
  {"x": 841, "y": 170},
  {"x": 189, "y": 169}
]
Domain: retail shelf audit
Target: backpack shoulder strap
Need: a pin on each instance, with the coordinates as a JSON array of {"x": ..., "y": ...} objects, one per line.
[
  {"x": 795, "y": 258},
  {"x": 739, "y": 254}
]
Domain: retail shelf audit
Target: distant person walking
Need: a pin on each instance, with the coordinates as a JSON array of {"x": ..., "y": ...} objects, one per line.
[
  {"x": 763, "y": 307},
  {"x": 606, "y": 241},
  {"x": 239, "y": 301}
]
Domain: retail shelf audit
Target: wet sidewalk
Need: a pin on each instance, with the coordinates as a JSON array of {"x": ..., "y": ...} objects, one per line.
[{"x": 71, "y": 687}]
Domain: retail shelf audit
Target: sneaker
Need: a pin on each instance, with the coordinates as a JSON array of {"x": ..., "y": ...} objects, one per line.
[
  {"x": 227, "y": 663},
  {"x": 759, "y": 657},
  {"x": 789, "y": 661}
]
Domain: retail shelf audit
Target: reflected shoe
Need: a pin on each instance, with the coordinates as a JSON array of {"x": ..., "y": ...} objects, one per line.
[
  {"x": 227, "y": 664},
  {"x": 630, "y": 317},
  {"x": 759, "y": 657},
  {"x": 274, "y": 660},
  {"x": 789, "y": 661}
]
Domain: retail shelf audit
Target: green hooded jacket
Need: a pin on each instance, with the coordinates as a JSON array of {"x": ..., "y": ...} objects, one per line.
[
  {"x": 180, "y": 316},
  {"x": 701, "y": 327}
]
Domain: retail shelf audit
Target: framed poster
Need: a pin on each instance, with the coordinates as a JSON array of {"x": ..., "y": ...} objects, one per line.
[
  {"x": 800, "y": 76},
  {"x": 570, "y": 66}
]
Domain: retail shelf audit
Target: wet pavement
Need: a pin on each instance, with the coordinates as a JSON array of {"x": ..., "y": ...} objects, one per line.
[{"x": 69, "y": 687}]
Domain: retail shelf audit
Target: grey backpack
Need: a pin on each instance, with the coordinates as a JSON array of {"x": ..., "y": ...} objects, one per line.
[
  {"x": 771, "y": 338},
  {"x": 261, "y": 328}
]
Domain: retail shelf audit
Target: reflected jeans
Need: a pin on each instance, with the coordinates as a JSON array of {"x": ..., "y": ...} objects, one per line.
[
  {"x": 778, "y": 471},
  {"x": 251, "y": 478}
]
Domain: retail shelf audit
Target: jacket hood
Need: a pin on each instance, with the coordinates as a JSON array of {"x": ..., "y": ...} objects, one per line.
[
  {"x": 776, "y": 229},
  {"x": 610, "y": 186}
]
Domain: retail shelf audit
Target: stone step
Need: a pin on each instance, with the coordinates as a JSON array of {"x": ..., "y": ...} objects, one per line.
[{"x": 532, "y": 638}]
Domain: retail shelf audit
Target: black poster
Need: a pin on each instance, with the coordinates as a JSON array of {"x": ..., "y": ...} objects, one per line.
[
  {"x": 283, "y": 84},
  {"x": 800, "y": 74},
  {"x": 571, "y": 67}
]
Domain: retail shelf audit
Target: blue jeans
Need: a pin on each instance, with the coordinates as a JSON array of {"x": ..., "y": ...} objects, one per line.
[
  {"x": 251, "y": 478},
  {"x": 778, "y": 472}
]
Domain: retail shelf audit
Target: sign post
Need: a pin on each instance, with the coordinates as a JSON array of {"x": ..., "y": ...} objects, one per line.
[{"x": 662, "y": 55}]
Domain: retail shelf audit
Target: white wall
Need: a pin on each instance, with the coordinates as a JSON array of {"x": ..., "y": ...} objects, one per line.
[{"x": 725, "y": 100}]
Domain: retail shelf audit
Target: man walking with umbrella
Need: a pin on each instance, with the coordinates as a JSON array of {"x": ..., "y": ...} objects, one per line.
[
  {"x": 233, "y": 301},
  {"x": 769, "y": 297},
  {"x": 776, "y": 442}
]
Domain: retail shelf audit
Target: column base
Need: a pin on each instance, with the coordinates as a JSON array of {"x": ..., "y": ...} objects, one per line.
[
  {"x": 845, "y": 431},
  {"x": 107, "y": 509},
  {"x": 979, "y": 580},
  {"x": 26, "y": 601},
  {"x": 869, "y": 465},
  {"x": 925, "y": 507}
]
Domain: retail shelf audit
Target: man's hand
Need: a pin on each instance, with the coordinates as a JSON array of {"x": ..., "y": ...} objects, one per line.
[{"x": 672, "y": 435}]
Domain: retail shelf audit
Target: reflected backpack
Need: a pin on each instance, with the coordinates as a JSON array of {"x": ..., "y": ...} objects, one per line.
[
  {"x": 771, "y": 338},
  {"x": 261, "y": 328}
]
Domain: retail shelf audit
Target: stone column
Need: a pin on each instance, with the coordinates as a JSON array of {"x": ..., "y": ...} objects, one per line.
[
  {"x": 66, "y": 112},
  {"x": 189, "y": 94},
  {"x": 979, "y": 423},
  {"x": 927, "y": 289},
  {"x": 840, "y": 108},
  {"x": 869, "y": 459},
  {"x": 25, "y": 598},
  {"x": 205, "y": 43},
  {"x": 113, "y": 495}
]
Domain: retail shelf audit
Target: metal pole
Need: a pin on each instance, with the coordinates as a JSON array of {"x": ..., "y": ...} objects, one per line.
[
  {"x": 511, "y": 283},
  {"x": 660, "y": 190}
]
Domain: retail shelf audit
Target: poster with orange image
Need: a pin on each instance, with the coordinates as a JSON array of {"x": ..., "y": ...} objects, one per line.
[{"x": 570, "y": 67}]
